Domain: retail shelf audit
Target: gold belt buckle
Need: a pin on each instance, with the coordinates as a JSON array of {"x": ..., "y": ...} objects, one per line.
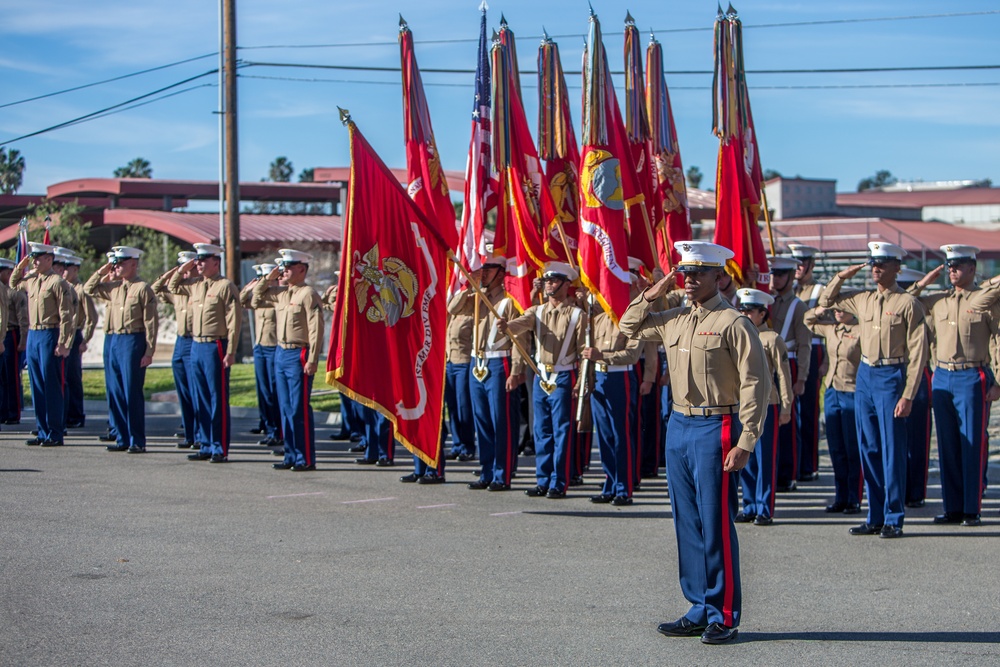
[
  {"x": 549, "y": 368},
  {"x": 602, "y": 367}
]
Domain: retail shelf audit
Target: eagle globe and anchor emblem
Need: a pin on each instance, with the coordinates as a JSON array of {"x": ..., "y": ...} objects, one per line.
[{"x": 386, "y": 293}]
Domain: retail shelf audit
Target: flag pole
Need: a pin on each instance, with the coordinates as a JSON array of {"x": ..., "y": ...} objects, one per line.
[
  {"x": 767, "y": 220},
  {"x": 482, "y": 297},
  {"x": 565, "y": 244}
]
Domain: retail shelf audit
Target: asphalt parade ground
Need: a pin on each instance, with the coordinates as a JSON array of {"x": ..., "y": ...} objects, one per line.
[{"x": 119, "y": 559}]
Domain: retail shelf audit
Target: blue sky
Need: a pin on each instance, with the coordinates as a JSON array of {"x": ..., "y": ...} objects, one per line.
[{"x": 924, "y": 133}]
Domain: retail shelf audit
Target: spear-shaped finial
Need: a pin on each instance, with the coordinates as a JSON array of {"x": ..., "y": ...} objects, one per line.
[
  {"x": 48, "y": 221},
  {"x": 721, "y": 15},
  {"x": 402, "y": 23},
  {"x": 545, "y": 36},
  {"x": 496, "y": 37},
  {"x": 24, "y": 221},
  {"x": 593, "y": 15},
  {"x": 483, "y": 6},
  {"x": 629, "y": 21},
  {"x": 345, "y": 116},
  {"x": 503, "y": 21},
  {"x": 731, "y": 11},
  {"x": 652, "y": 36}
]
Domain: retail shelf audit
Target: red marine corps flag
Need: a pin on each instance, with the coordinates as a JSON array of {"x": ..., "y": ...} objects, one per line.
[
  {"x": 737, "y": 198},
  {"x": 603, "y": 243},
  {"x": 387, "y": 340},
  {"x": 427, "y": 185}
]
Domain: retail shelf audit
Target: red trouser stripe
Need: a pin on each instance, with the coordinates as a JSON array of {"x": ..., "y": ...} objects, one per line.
[
  {"x": 17, "y": 371},
  {"x": 306, "y": 426},
  {"x": 795, "y": 446},
  {"x": 224, "y": 391},
  {"x": 629, "y": 481},
  {"x": 774, "y": 454},
  {"x": 927, "y": 430},
  {"x": 983, "y": 440},
  {"x": 638, "y": 428},
  {"x": 727, "y": 525},
  {"x": 511, "y": 450}
]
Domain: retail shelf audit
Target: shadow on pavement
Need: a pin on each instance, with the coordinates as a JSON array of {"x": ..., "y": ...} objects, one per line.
[{"x": 906, "y": 637}]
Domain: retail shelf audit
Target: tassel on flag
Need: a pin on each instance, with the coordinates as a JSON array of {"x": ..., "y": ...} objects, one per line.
[
  {"x": 557, "y": 141},
  {"x": 427, "y": 184},
  {"x": 387, "y": 341},
  {"x": 673, "y": 219},
  {"x": 478, "y": 185},
  {"x": 738, "y": 183},
  {"x": 22, "y": 241}
]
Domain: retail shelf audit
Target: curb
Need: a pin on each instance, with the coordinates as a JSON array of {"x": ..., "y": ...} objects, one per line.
[{"x": 171, "y": 408}]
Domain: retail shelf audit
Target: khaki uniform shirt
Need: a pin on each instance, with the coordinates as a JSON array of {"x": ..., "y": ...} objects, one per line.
[
  {"x": 799, "y": 338},
  {"x": 777, "y": 360},
  {"x": 487, "y": 338},
  {"x": 843, "y": 348},
  {"x": 554, "y": 328},
  {"x": 459, "y": 334},
  {"x": 617, "y": 348},
  {"x": 298, "y": 313},
  {"x": 891, "y": 325},
  {"x": 714, "y": 357},
  {"x": 808, "y": 292},
  {"x": 74, "y": 298},
  {"x": 4, "y": 309},
  {"x": 962, "y": 332},
  {"x": 215, "y": 308},
  {"x": 50, "y": 303},
  {"x": 266, "y": 331},
  {"x": 18, "y": 314},
  {"x": 179, "y": 302},
  {"x": 86, "y": 316},
  {"x": 131, "y": 307}
]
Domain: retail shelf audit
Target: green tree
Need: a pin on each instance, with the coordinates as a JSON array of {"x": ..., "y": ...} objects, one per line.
[
  {"x": 881, "y": 177},
  {"x": 694, "y": 176},
  {"x": 770, "y": 173},
  {"x": 307, "y": 175},
  {"x": 159, "y": 251},
  {"x": 67, "y": 229},
  {"x": 281, "y": 170},
  {"x": 137, "y": 168},
  {"x": 11, "y": 171}
]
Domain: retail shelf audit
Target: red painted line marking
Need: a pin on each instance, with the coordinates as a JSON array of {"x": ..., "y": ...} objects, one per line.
[
  {"x": 433, "y": 507},
  {"x": 367, "y": 500},
  {"x": 298, "y": 495},
  {"x": 506, "y": 513}
]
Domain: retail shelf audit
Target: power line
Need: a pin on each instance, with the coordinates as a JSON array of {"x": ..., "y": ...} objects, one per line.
[
  {"x": 658, "y": 31},
  {"x": 116, "y": 78},
  {"x": 103, "y": 111},
  {"x": 832, "y": 70},
  {"x": 144, "y": 103}
]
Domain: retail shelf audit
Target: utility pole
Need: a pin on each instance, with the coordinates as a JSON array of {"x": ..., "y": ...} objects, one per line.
[{"x": 232, "y": 240}]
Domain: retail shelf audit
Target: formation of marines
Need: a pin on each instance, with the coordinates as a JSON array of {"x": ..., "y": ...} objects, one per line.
[{"x": 720, "y": 384}]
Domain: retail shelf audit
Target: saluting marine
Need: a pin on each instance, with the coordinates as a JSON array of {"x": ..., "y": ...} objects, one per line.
[
  {"x": 720, "y": 382},
  {"x": 265, "y": 343},
  {"x": 50, "y": 335},
  {"x": 131, "y": 325},
  {"x": 85, "y": 323},
  {"x": 15, "y": 342}
]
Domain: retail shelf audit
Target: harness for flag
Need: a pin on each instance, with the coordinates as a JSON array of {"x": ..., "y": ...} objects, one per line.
[
  {"x": 643, "y": 216},
  {"x": 526, "y": 215},
  {"x": 427, "y": 185},
  {"x": 557, "y": 140},
  {"x": 738, "y": 181},
  {"x": 387, "y": 341},
  {"x": 673, "y": 219},
  {"x": 21, "y": 251},
  {"x": 478, "y": 185},
  {"x": 603, "y": 242}
]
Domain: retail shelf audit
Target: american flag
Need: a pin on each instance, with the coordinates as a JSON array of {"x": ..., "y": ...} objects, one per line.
[{"x": 478, "y": 186}]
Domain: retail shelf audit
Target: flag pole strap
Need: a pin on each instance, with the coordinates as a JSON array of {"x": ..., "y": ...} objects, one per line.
[
  {"x": 513, "y": 339},
  {"x": 767, "y": 220}
]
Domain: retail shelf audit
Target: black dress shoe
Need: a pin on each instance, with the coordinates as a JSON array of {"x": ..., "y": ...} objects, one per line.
[
  {"x": 463, "y": 457},
  {"x": 716, "y": 633},
  {"x": 34, "y": 432},
  {"x": 34, "y": 442},
  {"x": 528, "y": 451},
  {"x": 744, "y": 517},
  {"x": 218, "y": 458},
  {"x": 409, "y": 479},
  {"x": 948, "y": 517},
  {"x": 602, "y": 499},
  {"x": 282, "y": 466},
  {"x": 836, "y": 507},
  {"x": 479, "y": 485},
  {"x": 365, "y": 462},
  {"x": 52, "y": 443},
  {"x": 257, "y": 431},
  {"x": 852, "y": 508},
  {"x": 278, "y": 452},
  {"x": 682, "y": 627},
  {"x": 809, "y": 477},
  {"x": 356, "y": 449},
  {"x": 179, "y": 434},
  {"x": 384, "y": 463},
  {"x": 303, "y": 468},
  {"x": 451, "y": 456},
  {"x": 865, "y": 529},
  {"x": 199, "y": 456},
  {"x": 889, "y": 532},
  {"x": 185, "y": 445},
  {"x": 763, "y": 521},
  {"x": 12, "y": 422},
  {"x": 786, "y": 488},
  {"x": 136, "y": 450},
  {"x": 355, "y": 438},
  {"x": 107, "y": 437},
  {"x": 915, "y": 503},
  {"x": 536, "y": 491},
  {"x": 555, "y": 493},
  {"x": 266, "y": 442},
  {"x": 498, "y": 486},
  {"x": 576, "y": 481},
  {"x": 971, "y": 520},
  {"x": 431, "y": 478},
  {"x": 621, "y": 501},
  {"x": 74, "y": 424},
  {"x": 119, "y": 448}
]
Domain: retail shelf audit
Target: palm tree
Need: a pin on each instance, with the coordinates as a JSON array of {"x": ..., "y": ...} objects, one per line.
[
  {"x": 137, "y": 168},
  {"x": 281, "y": 170},
  {"x": 11, "y": 171}
]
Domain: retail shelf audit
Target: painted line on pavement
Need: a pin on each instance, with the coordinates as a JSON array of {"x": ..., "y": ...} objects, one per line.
[
  {"x": 298, "y": 495},
  {"x": 433, "y": 507},
  {"x": 367, "y": 500},
  {"x": 506, "y": 513}
]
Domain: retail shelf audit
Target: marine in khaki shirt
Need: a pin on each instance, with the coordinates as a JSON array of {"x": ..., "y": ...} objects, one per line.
[
  {"x": 131, "y": 306},
  {"x": 4, "y": 312},
  {"x": 179, "y": 301},
  {"x": 50, "y": 300},
  {"x": 214, "y": 303},
  {"x": 461, "y": 313},
  {"x": 298, "y": 311},
  {"x": 786, "y": 305},
  {"x": 891, "y": 326},
  {"x": 843, "y": 346},
  {"x": 551, "y": 324},
  {"x": 266, "y": 323}
]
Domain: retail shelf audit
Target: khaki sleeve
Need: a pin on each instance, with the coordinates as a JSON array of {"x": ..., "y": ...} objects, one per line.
[
  {"x": 983, "y": 299},
  {"x": 315, "y": 318},
  {"x": 627, "y": 357},
  {"x": 89, "y": 317},
  {"x": 246, "y": 295},
  {"x": 177, "y": 284},
  {"x": 234, "y": 319},
  {"x": 830, "y": 298},
  {"x": 755, "y": 381},
  {"x": 98, "y": 289},
  {"x": 150, "y": 320},
  {"x": 265, "y": 294},
  {"x": 917, "y": 349},
  {"x": 17, "y": 276},
  {"x": 159, "y": 285},
  {"x": 803, "y": 341},
  {"x": 461, "y": 302},
  {"x": 67, "y": 314},
  {"x": 524, "y": 323},
  {"x": 784, "y": 372},
  {"x": 651, "y": 363},
  {"x": 640, "y": 322},
  {"x": 20, "y": 303},
  {"x": 4, "y": 310}
]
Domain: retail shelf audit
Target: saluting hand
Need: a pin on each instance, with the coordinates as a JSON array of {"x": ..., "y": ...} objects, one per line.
[
  {"x": 736, "y": 460},
  {"x": 189, "y": 265},
  {"x": 274, "y": 274},
  {"x": 660, "y": 288},
  {"x": 931, "y": 276},
  {"x": 851, "y": 271}
]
